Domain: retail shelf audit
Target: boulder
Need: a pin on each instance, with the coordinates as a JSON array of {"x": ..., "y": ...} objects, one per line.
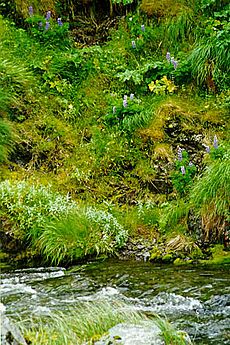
[
  {"x": 10, "y": 334},
  {"x": 145, "y": 333}
]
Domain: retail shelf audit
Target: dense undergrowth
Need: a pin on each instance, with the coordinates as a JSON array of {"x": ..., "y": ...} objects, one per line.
[{"x": 129, "y": 138}]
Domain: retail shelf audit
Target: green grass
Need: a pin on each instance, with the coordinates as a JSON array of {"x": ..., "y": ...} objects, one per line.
[
  {"x": 6, "y": 140},
  {"x": 87, "y": 322},
  {"x": 211, "y": 192},
  {"x": 87, "y": 231},
  {"x": 210, "y": 196}
]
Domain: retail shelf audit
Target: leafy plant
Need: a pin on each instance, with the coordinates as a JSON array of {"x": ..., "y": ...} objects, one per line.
[
  {"x": 127, "y": 115},
  {"x": 84, "y": 232},
  {"x": 29, "y": 207},
  {"x": 48, "y": 31},
  {"x": 183, "y": 176},
  {"x": 162, "y": 86}
]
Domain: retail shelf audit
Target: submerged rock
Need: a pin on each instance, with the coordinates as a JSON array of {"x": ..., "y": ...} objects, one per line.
[
  {"x": 10, "y": 334},
  {"x": 146, "y": 333}
]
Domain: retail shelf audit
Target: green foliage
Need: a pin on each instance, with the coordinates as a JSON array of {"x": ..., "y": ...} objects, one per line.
[
  {"x": 88, "y": 321},
  {"x": 84, "y": 232},
  {"x": 174, "y": 215},
  {"x": 209, "y": 7},
  {"x": 123, "y": 2},
  {"x": 14, "y": 78},
  {"x": 48, "y": 32},
  {"x": 183, "y": 176},
  {"x": 57, "y": 92},
  {"x": 211, "y": 192},
  {"x": 170, "y": 335},
  {"x": 63, "y": 230},
  {"x": 6, "y": 140},
  {"x": 210, "y": 197},
  {"x": 148, "y": 213},
  {"x": 180, "y": 29},
  {"x": 127, "y": 115},
  {"x": 209, "y": 59},
  {"x": 141, "y": 219},
  {"x": 162, "y": 86},
  {"x": 29, "y": 207}
]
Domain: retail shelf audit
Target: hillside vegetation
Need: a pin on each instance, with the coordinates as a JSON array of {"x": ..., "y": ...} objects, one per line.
[{"x": 114, "y": 128}]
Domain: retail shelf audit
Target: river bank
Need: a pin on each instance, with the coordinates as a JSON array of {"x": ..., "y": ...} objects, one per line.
[{"x": 194, "y": 299}]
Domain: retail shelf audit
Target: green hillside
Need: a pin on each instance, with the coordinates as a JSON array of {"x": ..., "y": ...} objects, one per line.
[{"x": 114, "y": 128}]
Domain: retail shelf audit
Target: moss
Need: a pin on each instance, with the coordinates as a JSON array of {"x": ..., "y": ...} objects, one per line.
[
  {"x": 196, "y": 254},
  {"x": 167, "y": 257},
  {"x": 4, "y": 257},
  {"x": 180, "y": 262},
  {"x": 155, "y": 254},
  {"x": 219, "y": 256}
]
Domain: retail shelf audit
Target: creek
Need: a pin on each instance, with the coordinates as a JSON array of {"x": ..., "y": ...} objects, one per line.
[{"x": 195, "y": 299}]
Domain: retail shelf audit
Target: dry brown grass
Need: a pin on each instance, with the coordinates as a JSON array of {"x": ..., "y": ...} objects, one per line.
[
  {"x": 181, "y": 243},
  {"x": 161, "y": 8}
]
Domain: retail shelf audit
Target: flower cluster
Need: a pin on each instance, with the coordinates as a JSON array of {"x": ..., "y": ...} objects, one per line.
[
  {"x": 171, "y": 60},
  {"x": 125, "y": 99},
  {"x": 142, "y": 29},
  {"x": 215, "y": 145},
  {"x": 48, "y": 17},
  {"x": 185, "y": 171}
]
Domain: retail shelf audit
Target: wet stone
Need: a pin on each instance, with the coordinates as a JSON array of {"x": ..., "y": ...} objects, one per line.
[
  {"x": 145, "y": 333},
  {"x": 10, "y": 334}
]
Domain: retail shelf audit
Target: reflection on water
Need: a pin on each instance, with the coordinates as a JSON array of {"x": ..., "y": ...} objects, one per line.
[{"x": 196, "y": 300}]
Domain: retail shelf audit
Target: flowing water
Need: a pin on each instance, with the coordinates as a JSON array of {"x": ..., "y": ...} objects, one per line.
[{"x": 195, "y": 299}]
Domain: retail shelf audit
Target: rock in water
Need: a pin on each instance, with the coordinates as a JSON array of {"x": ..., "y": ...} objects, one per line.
[
  {"x": 145, "y": 333},
  {"x": 10, "y": 334}
]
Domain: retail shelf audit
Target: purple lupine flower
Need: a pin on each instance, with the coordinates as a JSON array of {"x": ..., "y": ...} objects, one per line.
[
  {"x": 215, "y": 142},
  {"x": 114, "y": 110},
  {"x": 207, "y": 148},
  {"x": 48, "y": 15},
  {"x": 182, "y": 168},
  {"x": 142, "y": 28},
  {"x": 40, "y": 24},
  {"x": 31, "y": 11},
  {"x": 125, "y": 97},
  {"x": 125, "y": 103},
  {"x": 131, "y": 96},
  {"x": 179, "y": 152},
  {"x": 133, "y": 44},
  {"x": 168, "y": 57},
  {"x": 47, "y": 26},
  {"x": 59, "y": 21},
  {"x": 174, "y": 62}
]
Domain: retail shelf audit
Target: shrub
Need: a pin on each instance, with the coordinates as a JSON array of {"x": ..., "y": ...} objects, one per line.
[
  {"x": 127, "y": 115},
  {"x": 49, "y": 31},
  {"x": 84, "y": 232},
  {"x": 29, "y": 207},
  {"x": 182, "y": 177}
]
